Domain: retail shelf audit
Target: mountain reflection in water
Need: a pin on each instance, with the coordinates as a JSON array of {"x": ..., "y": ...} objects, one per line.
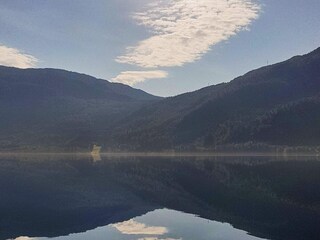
[
  {"x": 161, "y": 224},
  {"x": 75, "y": 197}
]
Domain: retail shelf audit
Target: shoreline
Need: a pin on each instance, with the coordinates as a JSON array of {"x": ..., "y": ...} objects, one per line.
[{"x": 166, "y": 154}]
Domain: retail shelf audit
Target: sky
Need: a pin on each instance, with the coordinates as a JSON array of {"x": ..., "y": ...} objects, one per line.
[{"x": 164, "y": 47}]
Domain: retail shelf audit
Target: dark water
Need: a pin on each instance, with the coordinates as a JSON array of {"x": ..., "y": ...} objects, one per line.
[{"x": 159, "y": 198}]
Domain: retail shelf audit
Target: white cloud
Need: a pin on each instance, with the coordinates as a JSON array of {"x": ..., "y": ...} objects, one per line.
[
  {"x": 132, "y": 227},
  {"x": 14, "y": 58},
  {"x": 134, "y": 77},
  {"x": 184, "y": 30}
]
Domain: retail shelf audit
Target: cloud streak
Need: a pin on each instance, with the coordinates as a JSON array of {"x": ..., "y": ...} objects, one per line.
[
  {"x": 184, "y": 30},
  {"x": 13, "y": 57},
  {"x": 133, "y": 77}
]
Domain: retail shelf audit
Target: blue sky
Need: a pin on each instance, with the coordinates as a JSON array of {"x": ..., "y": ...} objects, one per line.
[{"x": 164, "y": 47}]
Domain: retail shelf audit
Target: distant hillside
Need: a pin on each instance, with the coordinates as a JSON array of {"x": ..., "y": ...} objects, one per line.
[
  {"x": 51, "y": 108},
  {"x": 274, "y": 105}
]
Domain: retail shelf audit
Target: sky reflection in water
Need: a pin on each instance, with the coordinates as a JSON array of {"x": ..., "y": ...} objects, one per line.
[{"x": 162, "y": 224}]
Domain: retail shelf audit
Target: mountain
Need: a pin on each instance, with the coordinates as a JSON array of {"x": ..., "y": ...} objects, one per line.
[
  {"x": 49, "y": 109},
  {"x": 274, "y": 105},
  {"x": 55, "y": 108}
]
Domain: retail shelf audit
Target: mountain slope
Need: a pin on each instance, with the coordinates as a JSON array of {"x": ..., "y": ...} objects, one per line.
[
  {"x": 57, "y": 108},
  {"x": 221, "y": 114}
]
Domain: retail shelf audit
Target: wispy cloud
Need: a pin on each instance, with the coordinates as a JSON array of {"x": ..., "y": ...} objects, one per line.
[
  {"x": 133, "y": 77},
  {"x": 184, "y": 30},
  {"x": 13, "y": 57},
  {"x": 133, "y": 227}
]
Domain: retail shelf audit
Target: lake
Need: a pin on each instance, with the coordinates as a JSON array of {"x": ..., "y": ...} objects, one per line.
[{"x": 65, "y": 196}]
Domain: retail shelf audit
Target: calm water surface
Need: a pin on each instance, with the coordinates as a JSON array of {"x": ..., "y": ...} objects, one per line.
[{"x": 159, "y": 198}]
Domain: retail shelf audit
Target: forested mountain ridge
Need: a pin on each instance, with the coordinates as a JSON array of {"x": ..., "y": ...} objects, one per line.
[
  {"x": 51, "y": 108},
  {"x": 16, "y": 83},
  {"x": 274, "y": 105}
]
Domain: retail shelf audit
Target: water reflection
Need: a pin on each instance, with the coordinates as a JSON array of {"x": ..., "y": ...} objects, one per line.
[
  {"x": 163, "y": 224},
  {"x": 132, "y": 227},
  {"x": 96, "y": 157},
  {"x": 59, "y": 195}
]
